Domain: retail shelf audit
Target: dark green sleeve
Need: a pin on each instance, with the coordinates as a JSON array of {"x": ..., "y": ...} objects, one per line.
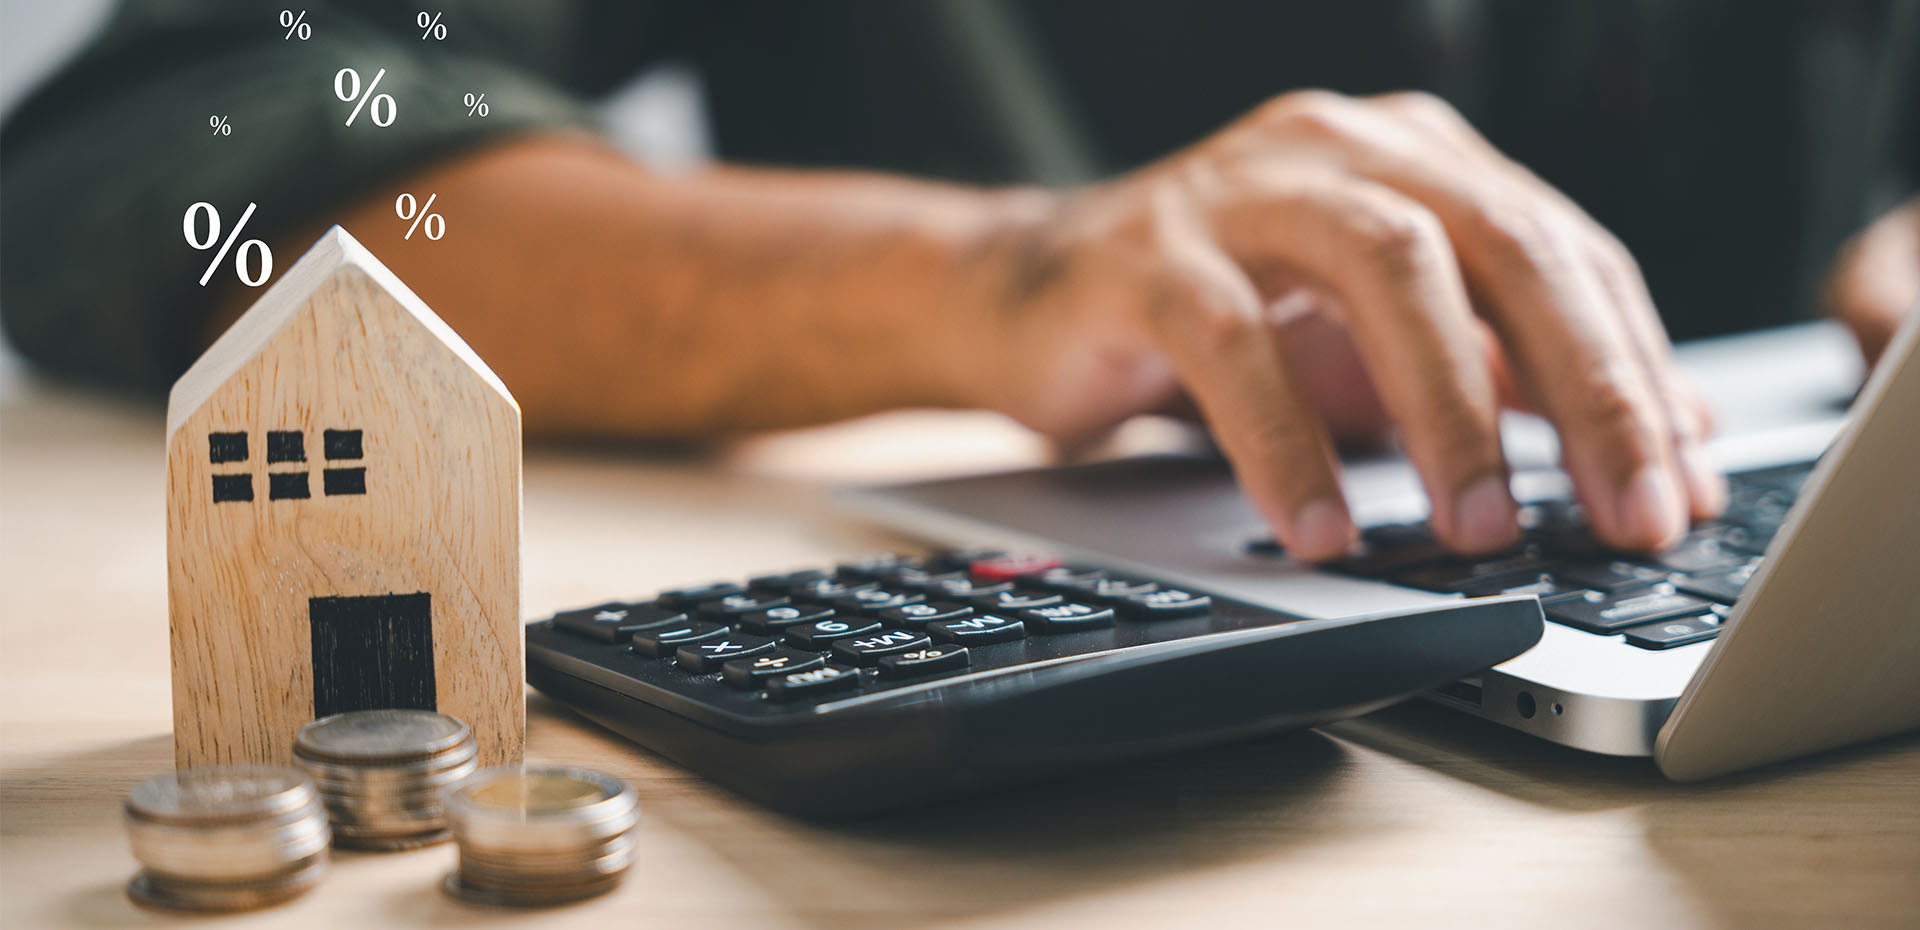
[{"x": 103, "y": 162}]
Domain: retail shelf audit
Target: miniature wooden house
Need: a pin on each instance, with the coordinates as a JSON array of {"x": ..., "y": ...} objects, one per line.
[{"x": 343, "y": 519}]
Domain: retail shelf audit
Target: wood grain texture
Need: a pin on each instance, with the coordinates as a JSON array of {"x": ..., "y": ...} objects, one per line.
[
  {"x": 338, "y": 344},
  {"x": 1409, "y": 818}
]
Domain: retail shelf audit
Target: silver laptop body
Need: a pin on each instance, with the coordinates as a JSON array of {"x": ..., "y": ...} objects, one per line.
[{"x": 1822, "y": 648}]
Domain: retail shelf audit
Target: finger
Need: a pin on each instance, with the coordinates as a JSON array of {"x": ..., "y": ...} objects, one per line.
[
  {"x": 1408, "y": 313},
  {"x": 1206, "y": 317},
  {"x": 1687, "y": 424},
  {"x": 1875, "y": 281},
  {"x": 1567, "y": 336},
  {"x": 1687, "y": 416}
]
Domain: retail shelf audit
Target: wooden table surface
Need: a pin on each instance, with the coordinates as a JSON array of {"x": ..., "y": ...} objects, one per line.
[{"x": 1409, "y": 817}]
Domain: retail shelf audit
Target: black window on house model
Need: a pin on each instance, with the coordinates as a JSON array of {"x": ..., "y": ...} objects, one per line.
[{"x": 287, "y": 447}]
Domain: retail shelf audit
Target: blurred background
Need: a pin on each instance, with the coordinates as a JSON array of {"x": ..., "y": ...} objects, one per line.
[{"x": 1732, "y": 144}]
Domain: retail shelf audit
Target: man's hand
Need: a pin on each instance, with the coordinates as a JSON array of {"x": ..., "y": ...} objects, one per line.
[
  {"x": 1875, "y": 281},
  {"x": 1327, "y": 264}
]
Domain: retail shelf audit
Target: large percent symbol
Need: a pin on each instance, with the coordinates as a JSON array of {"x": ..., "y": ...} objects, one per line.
[
  {"x": 407, "y": 208},
  {"x": 220, "y": 125},
  {"x": 213, "y": 235},
  {"x": 295, "y": 25},
  {"x": 350, "y": 93},
  {"x": 435, "y": 29},
  {"x": 475, "y": 104}
]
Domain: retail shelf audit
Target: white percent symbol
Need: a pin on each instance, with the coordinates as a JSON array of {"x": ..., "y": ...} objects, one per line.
[
  {"x": 407, "y": 208},
  {"x": 346, "y": 86},
  {"x": 187, "y": 225},
  {"x": 435, "y": 29},
  {"x": 295, "y": 25}
]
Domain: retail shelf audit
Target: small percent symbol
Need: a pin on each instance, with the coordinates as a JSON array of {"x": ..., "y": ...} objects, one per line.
[
  {"x": 295, "y": 25},
  {"x": 219, "y": 124},
  {"x": 346, "y": 86},
  {"x": 187, "y": 225},
  {"x": 435, "y": 29},
  {"x": 405, "y": 207},
  {"x": 476, "y": 104}
]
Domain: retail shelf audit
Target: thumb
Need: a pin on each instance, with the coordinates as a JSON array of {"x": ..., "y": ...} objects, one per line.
[{"x": 1875, "y": 280}]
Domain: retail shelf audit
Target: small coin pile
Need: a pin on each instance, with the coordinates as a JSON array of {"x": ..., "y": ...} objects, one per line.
[
  {"x": 381, "y": 773},
  {"x": 540, "y": 835},
  {"x": 225, "y": 838}
]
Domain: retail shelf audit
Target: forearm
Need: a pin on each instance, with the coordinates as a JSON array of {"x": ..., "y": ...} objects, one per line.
[{"x": 614, "y": 302}]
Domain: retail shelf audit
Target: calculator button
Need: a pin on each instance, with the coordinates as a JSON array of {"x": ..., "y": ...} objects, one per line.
[
  {"x": 920, "y": 579},
  {"x": 1065, "y": 618},
  {"x": 963, "y": 587},
  {"x": 1012, "y": 567},
  {"x": 686, "y": 597},
  {"x": 1166, "y": 602},
  {"x": 820, "y": 634},
  {"x": 775, "y": 619},
  {"x": 1015, "y": 600},
  {"x": 825, "y": 590},
  {"x": 981, "y": 628},
  {"x": 727, "y": 609},
  {"x": 919, "y": 615},
  {"x": 611, "y": 623},
  {"x": 661, "y": 642},
  {"x": 1067, "y": 578},
  {"x": 707, "y": 655},
  {"x": 1609, "y": 613},
  {"x": 874, "y": 567},
  {"x": 1674, "y": 633},
  {"x": 1118, "y": 590},
  {"x": 826, "y": 679},
  {"x": 751, "y": 673},
  {"x": 923, "y": 661},
  {"x": 867, "y": 649},
  {"x": 874, "y": 600},
  {"x": 782, "y": 582}
]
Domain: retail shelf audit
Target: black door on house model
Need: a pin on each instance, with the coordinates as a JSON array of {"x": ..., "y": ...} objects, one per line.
[{"x": 372, "y": 652}]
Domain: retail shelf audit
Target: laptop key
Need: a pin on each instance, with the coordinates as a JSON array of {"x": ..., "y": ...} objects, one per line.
[
  {"x": 1452, "y": 575},
  {"x": 1723, "y": 586},
  {"x": 1391, "y": 548},
  {"x": 1673, "y": 633},
  {"x": 1538, "y": 584},
  {"x": 1609, "y": 577},
  {"x": 1702, "y": 553},
  {"x": 1610, "y": 613}
]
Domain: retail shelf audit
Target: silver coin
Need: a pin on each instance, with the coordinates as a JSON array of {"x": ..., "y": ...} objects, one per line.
[
  {"x": 364, "y": 736},
  {"x": 220, "y": 793},
  {"x": 540, "y": 835},
  {"x": 151, "y": 888}
]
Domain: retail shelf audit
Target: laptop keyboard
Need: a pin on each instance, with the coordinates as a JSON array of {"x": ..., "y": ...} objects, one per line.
[{"x": 1657, "y": 601}]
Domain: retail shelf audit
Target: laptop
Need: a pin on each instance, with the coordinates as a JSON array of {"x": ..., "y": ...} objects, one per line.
[{"x": 1789, "y": 627}]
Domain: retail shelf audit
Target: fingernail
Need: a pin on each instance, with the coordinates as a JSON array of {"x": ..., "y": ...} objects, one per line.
[
  {"x": 1322, "y": 529},
  {"x": 1706, "y": 487},
  {"x": 1649, "y": 509},
  {"x": 1484, "y": 516}
]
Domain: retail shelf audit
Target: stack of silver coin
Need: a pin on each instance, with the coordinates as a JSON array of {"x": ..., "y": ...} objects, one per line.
[
  {"x": 225, "y": 838},
  {"x": 381, "y": 773},
  {"x": 540, "y": 835}
]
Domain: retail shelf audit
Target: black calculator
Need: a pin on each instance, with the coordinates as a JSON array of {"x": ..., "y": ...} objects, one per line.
[{"x": 896, "y": 680}]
